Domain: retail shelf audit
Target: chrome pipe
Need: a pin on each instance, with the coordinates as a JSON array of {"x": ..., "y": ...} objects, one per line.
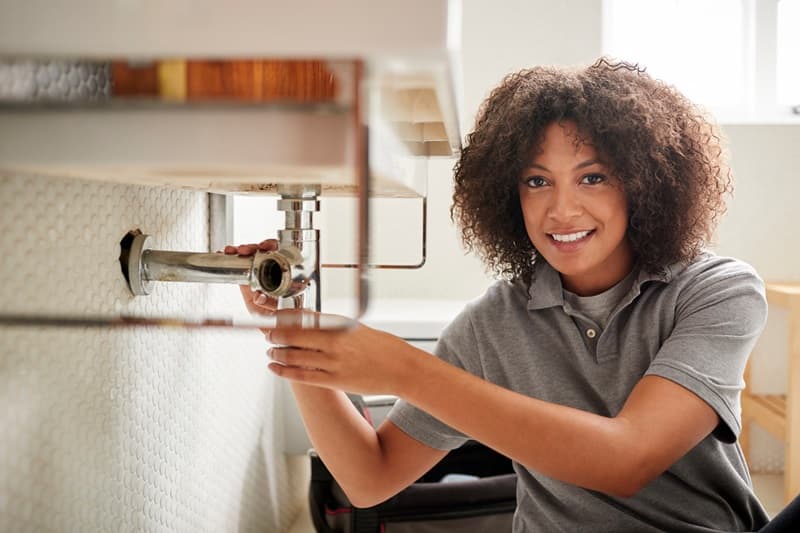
[
  {"x": 268, "y": 272},
  {"x": 290, "y": 274},
  {"x": 161, "y": 265},
  {"x": 300, "y": 238}
]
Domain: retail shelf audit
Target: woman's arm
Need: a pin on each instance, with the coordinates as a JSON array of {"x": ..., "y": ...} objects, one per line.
[
  {"x": 659, "y": 423},
  {"x": 370, "y": 466}
]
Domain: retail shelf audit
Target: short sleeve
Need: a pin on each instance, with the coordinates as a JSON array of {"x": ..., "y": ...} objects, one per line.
[
  {"x": 718, "y": 319},
  {"x": 457, "y": 346}
]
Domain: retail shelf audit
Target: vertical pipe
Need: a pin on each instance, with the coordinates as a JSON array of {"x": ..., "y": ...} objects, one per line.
[{"x": 299, "y": 202}]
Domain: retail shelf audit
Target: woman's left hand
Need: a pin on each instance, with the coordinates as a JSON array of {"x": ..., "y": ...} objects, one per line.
[{"x": 358, "y": 359}]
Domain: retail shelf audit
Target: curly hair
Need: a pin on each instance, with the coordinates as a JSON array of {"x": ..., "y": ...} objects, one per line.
[{"x": 664, "y": 150}]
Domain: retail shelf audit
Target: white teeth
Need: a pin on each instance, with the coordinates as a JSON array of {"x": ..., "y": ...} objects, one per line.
[{"x": 570, "y": 236}]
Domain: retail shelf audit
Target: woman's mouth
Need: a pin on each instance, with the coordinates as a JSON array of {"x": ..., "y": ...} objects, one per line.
[
  {"x": 570, "y": 237},
  {"x": 567, "y": 242}
]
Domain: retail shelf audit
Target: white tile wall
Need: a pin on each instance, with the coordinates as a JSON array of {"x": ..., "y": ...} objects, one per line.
[{"x": 140, "y": 429}]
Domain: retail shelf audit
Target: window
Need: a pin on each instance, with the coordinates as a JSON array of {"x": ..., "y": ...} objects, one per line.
[
  {"x": 789, "y": 52},
  {"x": 736, "y": 57}
]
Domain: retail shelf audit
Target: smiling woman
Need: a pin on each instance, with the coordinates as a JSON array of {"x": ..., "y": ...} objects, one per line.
[
  {"x": 651, "y": 141},
  {"x": 608, "y": 364},
  {"x": 575, "y": 212}
]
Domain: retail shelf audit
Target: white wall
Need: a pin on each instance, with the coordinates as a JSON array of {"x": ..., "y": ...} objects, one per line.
[
  {"x": 501, "y": 37},
  {"x": 141, "y": 429},
  {"x": 760, "y": 226}
]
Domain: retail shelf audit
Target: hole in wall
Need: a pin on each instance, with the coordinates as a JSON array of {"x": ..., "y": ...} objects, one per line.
[{"x": 125, "y": 251}]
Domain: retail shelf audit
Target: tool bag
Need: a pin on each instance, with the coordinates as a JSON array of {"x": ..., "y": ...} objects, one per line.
[{"x": 483, "y": 497}]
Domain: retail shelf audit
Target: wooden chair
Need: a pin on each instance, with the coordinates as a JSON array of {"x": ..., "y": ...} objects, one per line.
[{"x": 780, "y": 414}]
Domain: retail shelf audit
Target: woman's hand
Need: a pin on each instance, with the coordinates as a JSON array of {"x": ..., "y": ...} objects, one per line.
[
  {"x": 246, "y": 250},
  {"x": 359, "y": 359},
  {"x": 257, "y": 302}
]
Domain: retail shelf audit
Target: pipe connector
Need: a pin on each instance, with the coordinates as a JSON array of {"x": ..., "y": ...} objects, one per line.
[
  {"x": 285, "y": 272},
  {"x": 289, "y": 274},
  {"x": 281, "y": 273}
]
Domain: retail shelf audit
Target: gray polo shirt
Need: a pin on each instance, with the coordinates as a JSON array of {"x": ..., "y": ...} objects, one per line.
[{"x": 694, "y": 324}]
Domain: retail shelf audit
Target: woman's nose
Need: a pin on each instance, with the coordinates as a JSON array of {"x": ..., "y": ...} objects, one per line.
[{"x": 565, "y": 205}]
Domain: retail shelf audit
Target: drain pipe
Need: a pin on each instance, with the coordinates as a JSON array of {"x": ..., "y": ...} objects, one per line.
[
  {"x": 290, "y": 274},
  {"x": 297, "y": 256}
]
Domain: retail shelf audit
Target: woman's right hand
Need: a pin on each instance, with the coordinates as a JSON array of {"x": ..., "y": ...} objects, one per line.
[
  {"x": 257, "y": 302},
  {"x": 246, "y": 250}
]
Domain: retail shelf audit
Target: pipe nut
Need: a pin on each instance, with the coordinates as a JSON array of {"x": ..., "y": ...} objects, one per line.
[{"x": 298, "y": 204}]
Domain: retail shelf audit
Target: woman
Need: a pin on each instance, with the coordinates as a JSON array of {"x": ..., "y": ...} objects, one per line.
[{"x": 608, "y": 362}]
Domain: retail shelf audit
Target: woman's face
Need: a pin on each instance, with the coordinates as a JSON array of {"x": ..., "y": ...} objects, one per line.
[{"x": 576, "y": 213}]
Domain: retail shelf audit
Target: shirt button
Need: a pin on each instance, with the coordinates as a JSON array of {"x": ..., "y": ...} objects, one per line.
[{"x": 591, "y": 333}]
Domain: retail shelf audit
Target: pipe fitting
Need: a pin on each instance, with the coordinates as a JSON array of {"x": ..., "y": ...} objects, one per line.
[
  {"x": 289, "y": 274},
  {"x": 281, "y": 273}
]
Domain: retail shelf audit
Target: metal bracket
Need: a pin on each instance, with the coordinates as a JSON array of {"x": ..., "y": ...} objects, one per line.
[{"x": 412, "y": 266}]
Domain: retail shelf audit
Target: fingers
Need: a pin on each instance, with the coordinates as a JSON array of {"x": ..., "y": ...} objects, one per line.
[
  {"x": 268, "y": 245},
  {"x": 257, "y": 302},
  {"x": 245, "y": 250},
  {"x": 300, "y": 365},
  {"x": 309, "y": 376},
  {"x": 296, "y": 357},
  {"x": 242, "y": 249},
  {"x": 311, "y": 339}
]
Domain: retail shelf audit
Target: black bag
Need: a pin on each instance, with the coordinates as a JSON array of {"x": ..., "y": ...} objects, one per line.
[{"x": 429, "y": 505}]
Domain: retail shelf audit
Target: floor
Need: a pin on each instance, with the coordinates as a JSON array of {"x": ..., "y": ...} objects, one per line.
[{"x": 768, "y": 487}]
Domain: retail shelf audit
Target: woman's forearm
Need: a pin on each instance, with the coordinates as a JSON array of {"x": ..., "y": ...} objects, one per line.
[
  {"x": 346, "y": 442},
  {"x": 370, "y": 465},
  {"x": 611, "y": 455},
  {"x": 574, "y": 446}
]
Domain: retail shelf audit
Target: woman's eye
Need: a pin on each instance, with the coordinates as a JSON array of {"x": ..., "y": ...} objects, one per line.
[
  {"x": 535, "y": 181},
  {"x": 593, "y": 179}
]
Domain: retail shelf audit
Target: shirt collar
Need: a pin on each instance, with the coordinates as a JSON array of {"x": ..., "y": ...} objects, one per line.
[{"x": 546, "y": 290}]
